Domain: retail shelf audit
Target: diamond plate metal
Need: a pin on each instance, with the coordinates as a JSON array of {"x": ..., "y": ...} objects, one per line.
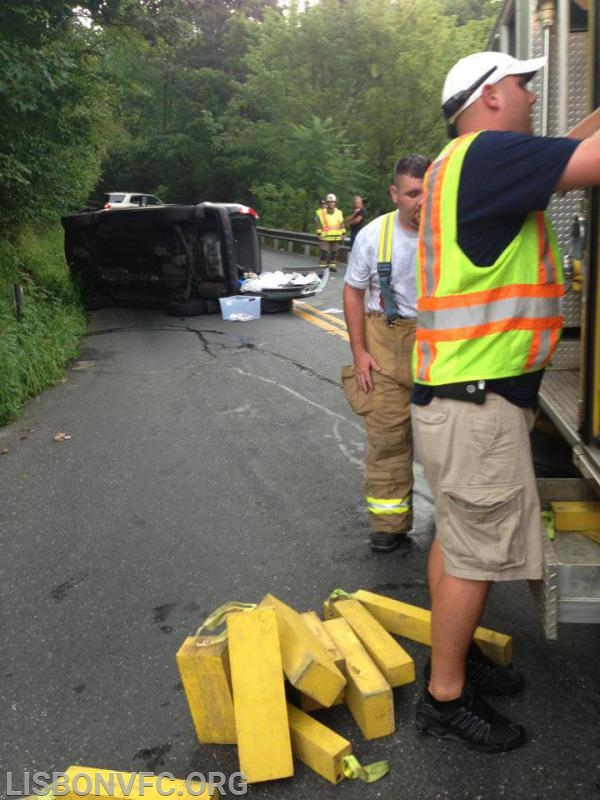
[
  {"x": 567, "y": 355},
  {"x": 559, "y": 397},
  {"x": 546, "y": 593},
  {"x": 562, "y": 210}
]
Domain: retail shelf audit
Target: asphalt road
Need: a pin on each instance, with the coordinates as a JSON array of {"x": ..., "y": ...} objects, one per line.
[{"x": 211, "y": 461}]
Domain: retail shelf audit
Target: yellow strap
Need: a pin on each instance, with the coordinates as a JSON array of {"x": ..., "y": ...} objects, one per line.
[
  {"x": 385, "y": 238},
  {"x": 338, "y": 594},
  {"x": 218, "y": 617},
  {"x": 548, "y": 523},
  {"x": 369, "y": 774}
]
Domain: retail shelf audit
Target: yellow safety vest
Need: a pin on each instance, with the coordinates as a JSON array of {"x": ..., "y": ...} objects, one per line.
[
  {"x": 332, "y": 225},
  {"x": 481, "y": 322}
]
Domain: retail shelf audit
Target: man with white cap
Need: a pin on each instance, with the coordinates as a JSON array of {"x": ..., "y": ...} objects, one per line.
[{"x": 489, "y": 282}]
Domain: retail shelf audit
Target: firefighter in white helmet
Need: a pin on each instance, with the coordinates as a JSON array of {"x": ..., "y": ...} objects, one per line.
[{"x": 330, "y": 230}]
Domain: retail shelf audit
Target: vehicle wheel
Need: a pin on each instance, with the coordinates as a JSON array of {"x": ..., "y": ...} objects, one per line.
[
  {"x": 92, "y": 296},
  {"x": 212, "y": 307},
  {"x": 186, "y": 308},
  {"x": 85, "y": 219},
  {"x": 172, "y": 214},
  {"x": 275, "y": 306}
]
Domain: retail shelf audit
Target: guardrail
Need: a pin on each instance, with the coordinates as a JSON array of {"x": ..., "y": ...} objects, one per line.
[{"x": 296, "y": 242}]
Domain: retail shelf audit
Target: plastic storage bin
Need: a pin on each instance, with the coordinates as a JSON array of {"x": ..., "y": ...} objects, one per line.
[{"x": 240, "y": 308}]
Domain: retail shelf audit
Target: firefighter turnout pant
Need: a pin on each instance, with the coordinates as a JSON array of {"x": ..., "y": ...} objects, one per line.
[
  {"x": 328, "y": 250},
  {"x": 386, "y": 412}
]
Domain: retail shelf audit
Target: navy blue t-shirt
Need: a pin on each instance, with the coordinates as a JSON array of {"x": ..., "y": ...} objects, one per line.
[{"x": 504, "y": 177}]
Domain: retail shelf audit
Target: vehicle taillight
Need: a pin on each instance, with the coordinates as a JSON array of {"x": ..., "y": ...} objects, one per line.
[
  {"x": 107, "y": 205},
  {"x": 248, "y": 210}
]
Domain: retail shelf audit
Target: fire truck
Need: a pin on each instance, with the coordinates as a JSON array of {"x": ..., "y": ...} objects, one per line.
[{"x": 567, "y": 32}]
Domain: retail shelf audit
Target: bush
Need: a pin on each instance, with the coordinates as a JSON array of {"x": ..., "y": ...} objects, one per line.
[{"x": 35, "y": 350}]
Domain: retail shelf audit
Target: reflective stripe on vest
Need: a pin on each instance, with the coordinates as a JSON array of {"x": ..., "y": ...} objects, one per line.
[
  {"x": 332, "y": 230},
  {"x": 384, "y": 266},
  {"x": 382, "y": 506},
  {"x": 481, "y": 322}
]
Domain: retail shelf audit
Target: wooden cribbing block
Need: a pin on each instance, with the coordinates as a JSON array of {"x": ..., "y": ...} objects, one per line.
[
  {"x": 368, "y": 694},
  {"x": 317, "y": 746},
  {"x": 320, "y": 631},
  {"x": 306, "y": 703},
  {"x": 576, "y": 515},
  {"x": 95, "y": 783},
  {"x": 394, "y": 663},
  {"x": 413, "y": 622},
  {"x": 204, "y": 668},
  {"x": 306, "y": 663},
  {"x": 261, "y": 720},
  {"x": 594, "y": 536},
  {"x": 303, "y": 701}
]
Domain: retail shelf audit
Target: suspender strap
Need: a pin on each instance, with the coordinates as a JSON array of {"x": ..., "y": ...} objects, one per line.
[{"x": 384, "y": 266}]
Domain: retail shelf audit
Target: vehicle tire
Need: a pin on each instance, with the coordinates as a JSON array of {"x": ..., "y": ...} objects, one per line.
[
  {"x": 92, "y": 296},
  {"x": 86, "y": 219},
  {"x": 275, "y": 306},
  {"x": 171, "y": 214},
  {"x": 96, "y": 300},
  {"x": 186, "y": 308},
  {"x": 212, "y": 307}
]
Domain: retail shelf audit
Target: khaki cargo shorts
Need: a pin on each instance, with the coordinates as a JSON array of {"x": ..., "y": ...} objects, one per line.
[{"x": 477, "y": 459}]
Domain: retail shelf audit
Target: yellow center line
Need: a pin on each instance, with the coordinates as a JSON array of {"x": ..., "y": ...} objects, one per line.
[{"x": 322, "y": 320}]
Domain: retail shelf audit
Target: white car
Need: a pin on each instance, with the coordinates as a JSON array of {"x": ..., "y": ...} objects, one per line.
[{"x": 130, "y": 200}]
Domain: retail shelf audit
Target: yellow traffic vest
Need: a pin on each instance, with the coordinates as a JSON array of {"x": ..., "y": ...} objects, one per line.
[
  {"x": 332, "y": 225},
  {"x": 481, "y": 322}
]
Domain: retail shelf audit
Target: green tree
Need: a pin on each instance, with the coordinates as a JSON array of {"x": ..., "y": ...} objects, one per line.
[{"x": 373, "y": 67}]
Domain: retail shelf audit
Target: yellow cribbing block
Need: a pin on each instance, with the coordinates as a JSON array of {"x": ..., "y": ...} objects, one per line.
[
  {"x": 306, "y": 663},
  {"x": 306, "y": 703},
  {"x": 204, "y": 668},
  {"x": 394, "y": 663},
  {"x": 413, "y": 622},
  {"x": 317, "y": 746},
  {"x": 368, "y": 694},
  {"x": 576, "y": 515},
  {"x": 303, "y": 701},
  {"x": 91, "y": 782},
  {"x": 320, "y": 631},
  {"x": 593, "y": 535},
  {"x": 261, "y": 720}
]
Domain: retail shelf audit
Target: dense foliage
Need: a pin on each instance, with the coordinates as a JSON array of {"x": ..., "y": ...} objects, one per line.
[
  {"x": 256, "y": 101},
  {"x": 275, "y": 109}
]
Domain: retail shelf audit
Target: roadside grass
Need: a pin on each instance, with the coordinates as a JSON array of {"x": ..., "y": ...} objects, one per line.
[{"x": 35, "y": 350}]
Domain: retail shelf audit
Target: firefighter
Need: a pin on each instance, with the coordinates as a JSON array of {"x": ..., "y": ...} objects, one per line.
[
  {"x": 489, "y": 284},
  {"x": 330, "y": 231},
  {"x": 378, "y": 384}
]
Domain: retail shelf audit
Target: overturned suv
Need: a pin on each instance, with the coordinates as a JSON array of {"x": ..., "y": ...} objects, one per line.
[{"x": 181, "y": 257}]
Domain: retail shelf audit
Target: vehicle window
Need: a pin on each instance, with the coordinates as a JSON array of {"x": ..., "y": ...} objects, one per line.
[
  {"x": 153, "y": 201},
  {"x": 115, "y": 197},
  {"x": 137, "y": 199}
]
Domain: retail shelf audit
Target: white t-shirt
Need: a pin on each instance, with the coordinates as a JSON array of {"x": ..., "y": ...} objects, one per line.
[{"x": 361, "y": 272}]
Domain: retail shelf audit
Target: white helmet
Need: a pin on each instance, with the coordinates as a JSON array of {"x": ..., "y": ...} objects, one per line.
[{"x": 331, "y": 198}]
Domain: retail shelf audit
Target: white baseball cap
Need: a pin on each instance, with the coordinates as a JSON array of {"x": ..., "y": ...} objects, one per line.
[
  {"x": 465, "y": 81},
  {"x": 331, "y": 198}
]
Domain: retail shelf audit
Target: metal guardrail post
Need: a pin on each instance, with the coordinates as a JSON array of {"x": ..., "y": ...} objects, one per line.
[{"x": 18, "y": 295}]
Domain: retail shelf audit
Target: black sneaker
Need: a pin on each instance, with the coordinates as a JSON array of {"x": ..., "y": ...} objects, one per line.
[
  {"x": 490, "y": 678},
  {"x": 469, "y": 720},
  {"x": 485, "y": 676},
  {"x": 386, "y": 542}
]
